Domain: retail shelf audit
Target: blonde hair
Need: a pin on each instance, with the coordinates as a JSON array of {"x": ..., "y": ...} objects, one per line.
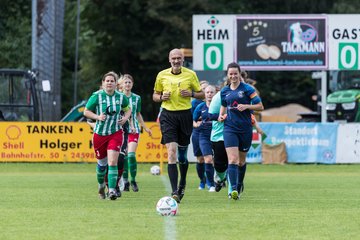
[
  {"x": 212, "y": 87},
  {"x": 204, "y": 82},
  {"x": 128, "y": 76},
  {"x": 120, "y": 82}
]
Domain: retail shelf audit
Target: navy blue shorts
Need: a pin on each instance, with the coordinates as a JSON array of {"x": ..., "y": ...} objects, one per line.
[
  {"x": 195, "y": 144},
  {"x": 205, "y": 144},
  {"x": 176, "y": 126},
  {"x": 240, "y": 140}
]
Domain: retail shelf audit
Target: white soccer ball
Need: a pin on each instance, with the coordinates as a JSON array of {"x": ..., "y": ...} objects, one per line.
[
  {"x": 167, "y": 206},
  {"x": 155, "y": 170}
]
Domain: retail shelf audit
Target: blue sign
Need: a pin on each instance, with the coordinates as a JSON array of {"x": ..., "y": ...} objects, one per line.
[{"x": 305, "y": 142}]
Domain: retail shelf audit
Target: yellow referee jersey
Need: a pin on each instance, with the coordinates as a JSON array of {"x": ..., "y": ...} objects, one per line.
[{"x": 174, "y": 83}]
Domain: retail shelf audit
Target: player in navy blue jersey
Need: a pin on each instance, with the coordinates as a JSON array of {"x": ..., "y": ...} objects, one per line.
[
  {"x": 201, "y": 122},
  {"x": 200, "y": 164},
  {"x": 238, "y": 100}
]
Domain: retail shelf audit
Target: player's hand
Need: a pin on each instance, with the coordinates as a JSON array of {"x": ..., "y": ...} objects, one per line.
[
  {"x": 185, "y": 93},
  {"x": 260, "y": 131},
  {"x": 222, "y": 117},
  {"x": 148, "y": 130},
  {"x": 122, "y": 121},
  {"x": 197, "y": 124},
  {"x": 165, "y": 96},
  {"x": 242, "y": 107},
  {"x": 101, "y": 117}
]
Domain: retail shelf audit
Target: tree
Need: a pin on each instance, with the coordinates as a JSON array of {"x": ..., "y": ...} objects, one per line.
[
  {"x": 15, "y": 34},
  {"x": 131, "y": 37}
]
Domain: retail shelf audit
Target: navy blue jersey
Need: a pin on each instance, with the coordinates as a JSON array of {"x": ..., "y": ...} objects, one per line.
[
  {"x": 236, "y": 120},
  {"x": 201, "y": 113},
  {"x": 194, "y": 103}
]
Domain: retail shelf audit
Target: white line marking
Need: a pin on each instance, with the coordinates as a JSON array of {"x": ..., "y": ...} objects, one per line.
[{"x": 169, "y": 222}]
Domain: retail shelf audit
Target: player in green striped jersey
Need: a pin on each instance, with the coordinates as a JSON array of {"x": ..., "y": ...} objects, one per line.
[
  {"x": 105, "y": 106},
  {"x": 137, "y": 122}
]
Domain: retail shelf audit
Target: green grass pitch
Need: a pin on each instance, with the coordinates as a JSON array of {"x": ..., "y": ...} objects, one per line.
[{"x": 59, "y": 201}]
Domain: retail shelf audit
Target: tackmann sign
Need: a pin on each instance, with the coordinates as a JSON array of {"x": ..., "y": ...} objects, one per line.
[
  {"x": 284, "y": 42},
  {"x": 344, "y": 40},
  {"x": 213, "y": 41}
]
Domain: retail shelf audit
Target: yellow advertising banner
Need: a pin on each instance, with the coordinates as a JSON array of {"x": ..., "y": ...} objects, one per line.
[{"x": 65, "y": 142}]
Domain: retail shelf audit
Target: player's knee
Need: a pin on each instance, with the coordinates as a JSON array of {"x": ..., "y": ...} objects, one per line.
[
  {"x": 182, "y": 154},
  {"x": 102, "y": 164}
]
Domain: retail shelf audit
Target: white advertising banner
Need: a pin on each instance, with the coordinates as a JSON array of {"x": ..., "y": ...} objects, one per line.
[
  {"x": 344, "y": 41},
  {"x": 348, "y": 143},
  {"x": 213, "y": 41}
]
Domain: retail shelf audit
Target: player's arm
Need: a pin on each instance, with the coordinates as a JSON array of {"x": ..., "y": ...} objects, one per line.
[
  {"x": 196, "y": 91},
  {"x": 157, "y": 96},
  {"x": 91, "y": 123},
  {"x": 198, "y": 95},
  {"x": 196, "y": 116},
  {"x": 126, "y": 108},
  {"x": 255, "y": 105},
  {"x": 89, "y": 111},
  {"x": 222, "y": 114},
  {"x": 256, "y": 125},
  {"x": 90, "y": 114},
  {"x": 142, "y": 123},
  {"x": 131, "y": 124},
  {"x": 223, "y": 107},
  {"x": 252, "y": 107},
  {"x": 127, "y": 114}
]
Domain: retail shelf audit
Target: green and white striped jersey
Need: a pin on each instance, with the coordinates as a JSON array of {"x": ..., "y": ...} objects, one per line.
[
  {"x": 135, "y": 104},
  {"x": 101, "y": 102}
]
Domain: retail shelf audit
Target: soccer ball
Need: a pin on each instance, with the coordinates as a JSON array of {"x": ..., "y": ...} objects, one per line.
[
  {"x": 155, "y": 170},
  {"x": 167, "y": 206}
]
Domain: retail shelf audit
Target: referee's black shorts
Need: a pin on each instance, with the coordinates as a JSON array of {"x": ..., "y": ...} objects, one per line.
[{"x": 176, "y": 126}]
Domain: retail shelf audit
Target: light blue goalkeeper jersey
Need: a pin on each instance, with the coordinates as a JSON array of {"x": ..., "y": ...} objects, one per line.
[{"x": 217, "y": 127}]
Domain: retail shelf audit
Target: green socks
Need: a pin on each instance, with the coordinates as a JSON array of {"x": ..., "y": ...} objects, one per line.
[
  {"x": 112, "y": 176},
  {"x": 222, "y": 175},
  {"x": 132, "y": 165},
  {"x": 126, "y": 169},
  {"x": 100, "y": 174}
]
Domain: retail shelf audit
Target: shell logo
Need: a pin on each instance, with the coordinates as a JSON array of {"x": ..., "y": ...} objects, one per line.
[
  {"x": 13, "y": 132},
  {"x": 156, "y": 134}
]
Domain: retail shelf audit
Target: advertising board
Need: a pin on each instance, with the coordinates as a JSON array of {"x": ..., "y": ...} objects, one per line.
[{"x": 283, "y": 42}]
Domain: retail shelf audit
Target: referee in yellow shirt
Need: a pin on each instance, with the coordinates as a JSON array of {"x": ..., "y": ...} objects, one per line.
[{"x": 174, "y": 88}]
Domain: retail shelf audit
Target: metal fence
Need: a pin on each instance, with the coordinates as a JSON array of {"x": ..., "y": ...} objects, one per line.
[{"x": 47, "y": 41}]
